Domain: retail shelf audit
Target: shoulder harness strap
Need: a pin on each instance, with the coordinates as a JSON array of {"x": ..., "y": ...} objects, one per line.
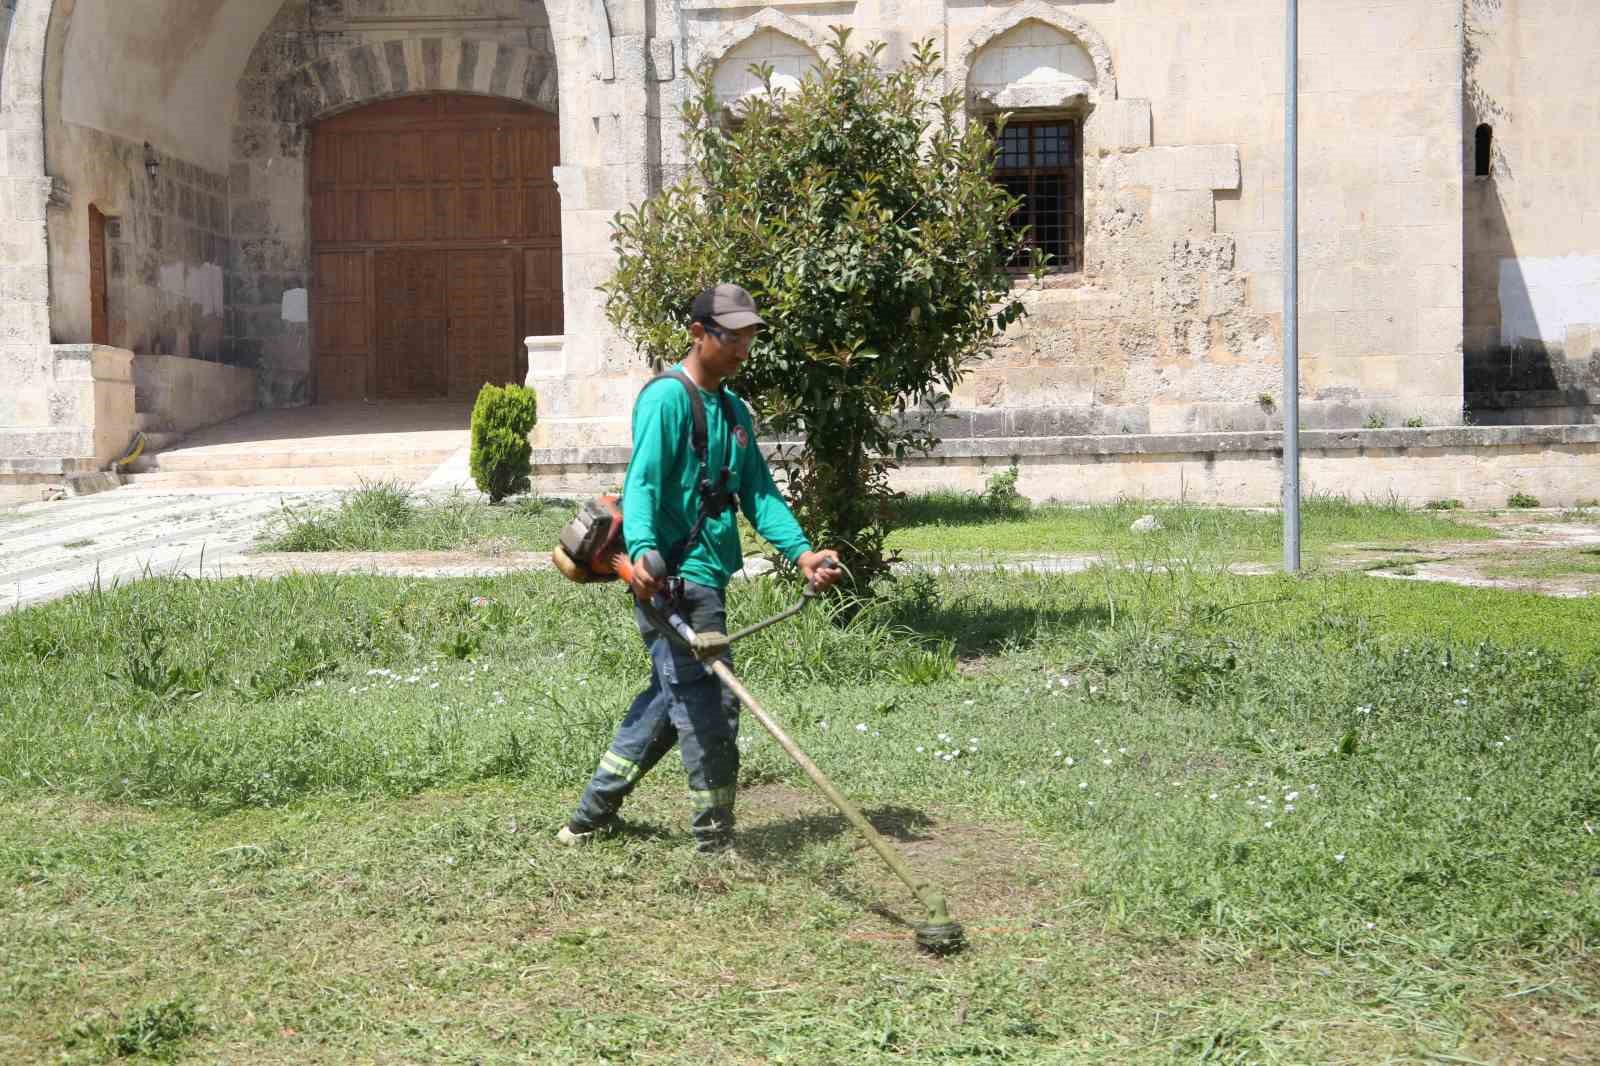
[{"x": 714, "y": 495}]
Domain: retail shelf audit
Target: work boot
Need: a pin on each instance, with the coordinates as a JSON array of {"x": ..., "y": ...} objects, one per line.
[
  {"x": 577, "y": 838},
  {"x": 720, "y": 844}
]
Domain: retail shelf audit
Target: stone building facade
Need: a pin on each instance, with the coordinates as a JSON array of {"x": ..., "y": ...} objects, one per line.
[{"x": 362, "y": 200}]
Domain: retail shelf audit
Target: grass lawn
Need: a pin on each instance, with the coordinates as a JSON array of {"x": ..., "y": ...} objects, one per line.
[
  {"x": 954, "y": 524},
  {"x": 938, "y": 526},
  {"x": 388, "y": 518},
  {"x": 1185, "y": 816}
]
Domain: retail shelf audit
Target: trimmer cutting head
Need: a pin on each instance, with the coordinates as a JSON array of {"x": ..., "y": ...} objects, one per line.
[{"x": 941, "y": 938}]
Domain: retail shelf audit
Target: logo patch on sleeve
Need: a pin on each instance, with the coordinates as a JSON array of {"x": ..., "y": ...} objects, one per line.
[{"x": 741, "y": 436}]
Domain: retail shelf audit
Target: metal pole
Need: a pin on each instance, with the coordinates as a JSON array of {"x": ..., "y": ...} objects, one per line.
[{"x": 1291, "y": 295}]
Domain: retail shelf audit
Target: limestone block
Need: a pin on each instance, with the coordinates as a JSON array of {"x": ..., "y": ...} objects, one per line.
[
  {"x": 1439, "y": 329},
  {"x": 1183, "y": 211},
  {"x": 1151, "y": 168},
  {"x": 1123, "y": 125},
  {"x": 663, "y": 59},
  {"x": 547, "y": 358},
  {"x": 1208, "y": 167}
]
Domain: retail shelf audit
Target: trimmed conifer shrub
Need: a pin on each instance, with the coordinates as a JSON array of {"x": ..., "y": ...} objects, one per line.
[{"x": 502, "y": 458}]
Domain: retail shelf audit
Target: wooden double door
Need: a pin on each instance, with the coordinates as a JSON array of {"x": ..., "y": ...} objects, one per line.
[{"x": 436, "y": 246}]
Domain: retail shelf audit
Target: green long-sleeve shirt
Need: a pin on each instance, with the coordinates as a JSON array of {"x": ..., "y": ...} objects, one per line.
[{"x": 660, "y": 498}]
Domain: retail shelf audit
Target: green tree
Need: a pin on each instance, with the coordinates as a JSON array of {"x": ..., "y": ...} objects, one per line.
[
  {"x": 500, "y": 457},
  {"x": 860, "y": 212}
]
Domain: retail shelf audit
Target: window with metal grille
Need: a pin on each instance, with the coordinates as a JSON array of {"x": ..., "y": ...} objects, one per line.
[{"x": 1042, "y": 162}]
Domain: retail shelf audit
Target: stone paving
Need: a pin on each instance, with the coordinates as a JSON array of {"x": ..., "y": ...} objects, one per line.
[{"x": 50, "y": 549}]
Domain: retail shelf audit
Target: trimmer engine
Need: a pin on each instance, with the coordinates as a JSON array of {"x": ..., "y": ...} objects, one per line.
[{"x": 585, "y": 548}]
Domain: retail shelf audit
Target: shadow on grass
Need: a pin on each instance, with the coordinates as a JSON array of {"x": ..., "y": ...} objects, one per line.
[
  {"x": 776, "y": 842},
  {"x": 976, "y": 631},
  {"x": 952, "y": 509}
]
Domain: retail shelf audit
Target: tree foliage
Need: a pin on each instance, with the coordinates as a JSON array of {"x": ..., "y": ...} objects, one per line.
[
  {"x": 500, "y": 457},
  {"x": 860, "y": 212}
]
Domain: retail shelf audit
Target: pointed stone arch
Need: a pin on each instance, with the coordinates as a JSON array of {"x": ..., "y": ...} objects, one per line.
[
  {"x": 715, "y": 47},
  {"x": 1105, "y": 84}
]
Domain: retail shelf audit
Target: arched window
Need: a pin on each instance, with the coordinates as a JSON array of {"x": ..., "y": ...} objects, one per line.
[
  {"x": 1483, "y": 150},
  {"x": 1045, "y": 79}
]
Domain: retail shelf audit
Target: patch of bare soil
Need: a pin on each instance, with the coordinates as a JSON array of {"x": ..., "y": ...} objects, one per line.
[
  {"x": 996, "y": 880},
  {"x": 1525, "y": 541}
]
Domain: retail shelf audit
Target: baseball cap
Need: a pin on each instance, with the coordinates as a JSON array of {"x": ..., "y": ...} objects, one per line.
[{"x": 729, "y": 306}]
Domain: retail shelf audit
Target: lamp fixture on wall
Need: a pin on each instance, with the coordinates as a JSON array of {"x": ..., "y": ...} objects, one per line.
[{"x": 152, "y": 162}]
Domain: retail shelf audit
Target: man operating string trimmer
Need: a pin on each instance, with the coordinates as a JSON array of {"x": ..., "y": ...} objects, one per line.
[{"x": 695, "y": 462}]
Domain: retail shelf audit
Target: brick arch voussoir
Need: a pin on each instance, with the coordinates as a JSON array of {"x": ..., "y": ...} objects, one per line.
[{"x": 386, "y": 70}]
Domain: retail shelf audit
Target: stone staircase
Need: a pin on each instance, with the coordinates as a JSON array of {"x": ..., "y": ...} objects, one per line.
[{"x": 311, "y": 448}]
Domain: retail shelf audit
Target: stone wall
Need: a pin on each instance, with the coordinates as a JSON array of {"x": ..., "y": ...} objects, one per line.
[
  {"x": 166, "y": 243},
  {"x": 177, "y": 395},
  {"x": 25, "y": 361},
  {"x": 319, "y": 57},
  {"x": 1480, "y": 466},
  {"x": 1532, "y": 224},
  {"x": 1175, "y": 321}
]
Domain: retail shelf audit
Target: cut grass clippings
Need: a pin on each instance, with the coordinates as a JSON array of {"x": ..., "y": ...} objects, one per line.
[{"x": 1232, "y": 819}]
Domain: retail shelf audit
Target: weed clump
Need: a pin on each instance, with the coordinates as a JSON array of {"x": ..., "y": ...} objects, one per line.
[
  {"x": 1522, "y": 501},
  {"x": 153, "y": 1031}
]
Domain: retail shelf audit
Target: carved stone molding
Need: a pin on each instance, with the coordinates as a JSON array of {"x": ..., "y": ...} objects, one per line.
[
  {"x": 719, "y": 45},
  {"x": 1105, "y": 87}
]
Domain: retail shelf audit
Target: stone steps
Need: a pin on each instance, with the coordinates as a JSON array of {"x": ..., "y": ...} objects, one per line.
[
  {"x": 338, "y": 474},
  {"x": 208, "y": 460}
]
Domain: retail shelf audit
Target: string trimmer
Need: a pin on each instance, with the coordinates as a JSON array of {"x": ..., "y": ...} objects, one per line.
[{"x": 939, "y": 934}]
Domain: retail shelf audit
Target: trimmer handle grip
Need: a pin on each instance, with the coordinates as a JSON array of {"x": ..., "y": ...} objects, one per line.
[{"x": 828, "y": 563}]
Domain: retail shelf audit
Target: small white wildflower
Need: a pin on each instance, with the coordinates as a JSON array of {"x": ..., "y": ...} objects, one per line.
[
  {"x": 1083, "y": 784},
  {"x": 1122, "y": 751},
  {"x": 1057, "y": 754},
  {"x": 861, "y": 727},
  {"x": 945, "y": 737},
  {"x": 966, "y": 703},
  {"x": 1365, "y": 708},
  {"x": 1071, "y": 761},
  {"x": 1105, "y": 762},
  {"x": 1288, "y": 808},
  {"x": 1268, "y": 825},
  {"x": 972, "y": 740},
  {"x": 1213, "y": 795},
  {"x": 920, "y": 749},
  {"x": 434, "y": 685},
  {"x": 1339, "y": 857},
  {"x": 1371, "y": 925},
  {"x": 1291, "y": 797}
]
